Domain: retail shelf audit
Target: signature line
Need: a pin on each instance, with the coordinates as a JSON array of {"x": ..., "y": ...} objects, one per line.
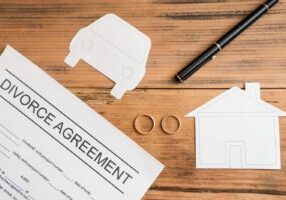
[
  {"x": 1, "y": 125},
  {"x": 9, "y": 138}
]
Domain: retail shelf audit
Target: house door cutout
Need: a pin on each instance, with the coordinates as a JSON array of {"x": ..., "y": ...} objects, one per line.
[{"x": 236, "y": 154}]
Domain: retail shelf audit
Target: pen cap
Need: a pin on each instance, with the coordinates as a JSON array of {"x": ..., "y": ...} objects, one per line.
[{"x": 271, "y": 3}]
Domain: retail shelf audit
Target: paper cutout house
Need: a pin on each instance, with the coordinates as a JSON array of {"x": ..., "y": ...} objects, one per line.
[{"x": 238, "y": 130}]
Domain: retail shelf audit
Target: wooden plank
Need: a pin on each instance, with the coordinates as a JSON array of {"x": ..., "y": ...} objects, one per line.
[
  {"x": 164, "y": 195},
  {"x": 180, "y": 30},
  {"x": 177, "y": 152}
]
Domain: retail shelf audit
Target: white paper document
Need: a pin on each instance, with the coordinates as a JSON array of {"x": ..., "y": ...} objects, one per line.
[
  {"x": 54, "y": 147},
  {"x": 238, "y": 130}
]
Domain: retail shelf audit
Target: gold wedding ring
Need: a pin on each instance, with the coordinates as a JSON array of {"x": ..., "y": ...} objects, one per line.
[
  {"x": 136, "y": 123},
  {"x": 166, "y": 130}
]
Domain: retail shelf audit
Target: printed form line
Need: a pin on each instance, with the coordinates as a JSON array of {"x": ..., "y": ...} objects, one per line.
[
  {"x": 135, "y": 170},
  {"x": 67, "y": 178},
  {"x": 15, "y": 136},
  {"x": 2, "y": 153},
  {"x": 5, "y": 148},
  {"x": 54, "y": 187},
  {"x": 9, "y": 138},
  {"x": 17, "y": 186},
  {"x": 62, "y": 144}
]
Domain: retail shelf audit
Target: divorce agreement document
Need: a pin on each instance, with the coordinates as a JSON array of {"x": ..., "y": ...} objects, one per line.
[{"x": 54, "y": 147}]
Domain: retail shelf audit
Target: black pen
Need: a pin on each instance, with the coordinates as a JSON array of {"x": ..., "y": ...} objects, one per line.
[{"x": 210, "y": 53}]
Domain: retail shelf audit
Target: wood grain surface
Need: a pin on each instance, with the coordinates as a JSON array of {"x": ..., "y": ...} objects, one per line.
[{"x": 180, "y": 30}]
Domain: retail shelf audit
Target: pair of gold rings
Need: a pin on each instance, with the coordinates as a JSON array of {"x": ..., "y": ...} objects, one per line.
[{"x": 163, "y": 124}]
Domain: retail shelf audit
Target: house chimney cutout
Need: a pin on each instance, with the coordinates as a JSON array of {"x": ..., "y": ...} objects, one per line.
[{"x": 253, "y": 90}]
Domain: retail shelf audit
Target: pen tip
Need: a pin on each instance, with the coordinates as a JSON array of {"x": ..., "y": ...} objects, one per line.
[{"x": 178, "y": 78}]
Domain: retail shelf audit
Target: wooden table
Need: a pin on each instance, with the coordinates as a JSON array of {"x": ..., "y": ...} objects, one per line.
[{"x": 180, "y": 30}]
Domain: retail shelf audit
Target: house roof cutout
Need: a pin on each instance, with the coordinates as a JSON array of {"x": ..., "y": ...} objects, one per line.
[{"x": 238, "y": 102}]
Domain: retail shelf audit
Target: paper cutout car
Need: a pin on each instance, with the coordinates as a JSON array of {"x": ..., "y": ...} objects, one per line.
[
  {"x": 115, "y": 48},
  {"x": 238, "y": 130}
]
